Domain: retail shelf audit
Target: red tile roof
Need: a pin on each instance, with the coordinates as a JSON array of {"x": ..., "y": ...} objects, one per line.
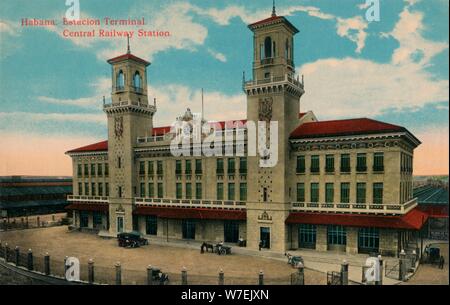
[
  {"x": 160, "y": 131},
  {"x": 88, "y": 207},
  {"x": 100, "y": 146},
  {"x": 190, "y": 213},
  {"x": 273, "y": 20},
  {"x": 413, "y": 220},
  {"x": 127, "y": 56},
  {"x": 343, "y": 127}
]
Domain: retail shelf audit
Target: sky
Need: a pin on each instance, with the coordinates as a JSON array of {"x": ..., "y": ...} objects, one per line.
[{"x": 393, "y": 70}]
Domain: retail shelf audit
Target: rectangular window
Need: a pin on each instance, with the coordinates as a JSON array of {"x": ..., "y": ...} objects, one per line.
[
  {"x": 160, "y": 190},
  {"x": 86, "y": 189},
  {"x": 231, "y": 166},
  {"x": 188, "y": 190},
  {"x": 79, "y": 170},
  {"x": 100, "y": 189},
  {"x": 150, "y": 168},
  {"x": 300, "y": 192},
  {"x": 97, "y": 220},
  {"x": 198, "y": 191},
  {"x": 142, "y": 190},
  {"x": 198, "y": 166},
  {"x": 86, "y": 170},
  {"x": 151, "y": 190},
  {"x": 230, "y": 191},
  {"x": 178, "y": 167},
  {"x": 315, "y": 164},
  {"x": 336, "y": 235},
  {"x": 361, "y": 163},
  {"x": 92, "y": 169},
  {"x": 188, "y": 167},
  {"x": 219, "y": 191},
  {"x": 151, "y": 225},
  {"x": 329, "y": 192},
  {"x": 106, "y": 189},
  {"x": 219, "y": 166},
  {"x": 345, "y": 192},
  {"x": 361, "y": 192},
  {"x": 106, "y": 169},
  {"x": 243, "y": 166},
  {"x": 93, "y": 193},
  {"x": 100, "y": 169},
  {"x": 378, "y": 162},
  {"x": 159, "y": 167},
  {"x": 345, "y": 163},
  {"x": 243, "y": 192},
  {"x": 301, "y": 164},
  {"x": 142, "y": 168},
  {"x": 329, "y": 163},
  {"x": 314, "y": 192},
  {"x": 179, "y": 191},
  {"x": 80, "y": 189},
  {"x": 378, "y": 193}
]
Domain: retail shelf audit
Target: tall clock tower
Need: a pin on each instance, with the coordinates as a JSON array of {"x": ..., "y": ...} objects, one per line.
[
  {"x": 129, "y": 116},
  {"x": 273, "y": 95}
]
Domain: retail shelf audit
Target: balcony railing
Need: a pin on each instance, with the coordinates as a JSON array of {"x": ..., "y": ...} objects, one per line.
[
  {"x": 275, "y": 79},
  {"x": 364, "y": 208},
  {"x": 191, "y": 203},
  {"x": 129, "y": 103},
  {"x": 81, "y": 198}
]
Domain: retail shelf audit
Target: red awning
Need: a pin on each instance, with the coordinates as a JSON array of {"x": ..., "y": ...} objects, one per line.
[
  {"x": 88, "y": 207},
  {"x": 190, "y": 213},
  {"x": 413, "y": 220},
  {"x": 435, "y": 211}
]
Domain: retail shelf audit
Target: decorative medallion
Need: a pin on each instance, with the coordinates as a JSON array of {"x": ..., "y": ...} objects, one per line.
[
  {"x": 265, "y": 216},
  {"x": 265, "y": 109}
]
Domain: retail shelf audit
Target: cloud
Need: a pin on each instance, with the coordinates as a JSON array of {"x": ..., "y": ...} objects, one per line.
[
  {"x": 9, "y": 28},
  {"x": 9, "y": 31},
  {"x": 217, "y": 55},
  {"x": 353, "y": 85},
  {"x": 353, "y": 29},
  {"x": 55, "y": 117}
]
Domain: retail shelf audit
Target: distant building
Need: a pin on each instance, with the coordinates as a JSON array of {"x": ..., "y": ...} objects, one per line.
[
  {"x": 26, "y": 195},
  {"x": 341, "y": 185}
]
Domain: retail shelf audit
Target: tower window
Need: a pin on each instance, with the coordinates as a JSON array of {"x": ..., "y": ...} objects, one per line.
[
  {"x": 120, "y": 80},
  {"x": 286, "y": 51},
  {"x": 268, "y": 47},
  {"x": 274, "y": 49},
  {"x": 137, "y": 81}
]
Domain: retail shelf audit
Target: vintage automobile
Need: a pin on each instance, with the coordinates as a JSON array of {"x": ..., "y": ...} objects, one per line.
[
  {"x": 159, "y": 278},
  {"x": 131, "y": 240}
]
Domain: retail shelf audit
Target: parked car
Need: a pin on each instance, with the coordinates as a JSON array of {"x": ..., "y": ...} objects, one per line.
[{"x": 131, "y": 240}]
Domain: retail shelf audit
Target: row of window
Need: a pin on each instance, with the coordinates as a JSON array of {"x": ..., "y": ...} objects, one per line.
[
  {"x": 93, "y": 189},
  {"x": 120, "y": 81},
  {"x": 345, "y": 161},
  {"x": 231, "y": 166},
  {"x": 314, "y": 192},
  {"x": 151, "y": 168},
  {"x": 94, "y": 169},
  {"x": 188, "y": 167}
]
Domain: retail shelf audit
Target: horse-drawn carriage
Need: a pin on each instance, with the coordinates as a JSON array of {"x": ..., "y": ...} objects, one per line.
[
  {"x": 433, "y": 256},
  {"x": 218, "y": 248}
]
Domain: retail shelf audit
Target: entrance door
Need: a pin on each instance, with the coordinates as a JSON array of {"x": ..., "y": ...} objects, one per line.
[
  {"x": 84, "y": 219},
  {"x": 119, "y": 224},
  {"x": 368, "y": 240},
  {"x": 188, "y": 229},
  {"x": 231, "y": 231},
  {"x": 265, "y": 237}
]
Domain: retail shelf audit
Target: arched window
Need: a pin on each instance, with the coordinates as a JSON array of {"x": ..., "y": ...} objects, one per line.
[
  {"x": 120, "y": 80},
  {"x": 286, "y": 51},
  {"x": 137, "y": 80},
  {"x": 274, "y": 49},
  {"x": 268, "y": 47}
]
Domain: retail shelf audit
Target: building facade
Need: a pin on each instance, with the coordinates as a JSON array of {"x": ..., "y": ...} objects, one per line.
[{"x": 343, "y": 185}]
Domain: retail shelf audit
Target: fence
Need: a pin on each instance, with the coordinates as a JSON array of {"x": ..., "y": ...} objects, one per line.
[
  {"x": 93, "y": 274},
  {"x": 21, "y": 223}
]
